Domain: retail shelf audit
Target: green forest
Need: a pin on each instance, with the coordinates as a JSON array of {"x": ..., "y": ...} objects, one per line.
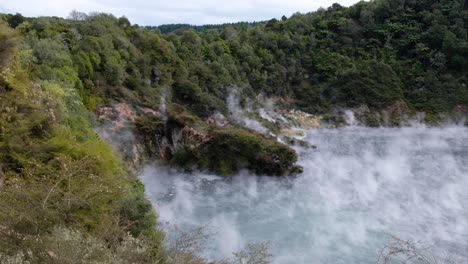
[{"x": 66, "y": 195}]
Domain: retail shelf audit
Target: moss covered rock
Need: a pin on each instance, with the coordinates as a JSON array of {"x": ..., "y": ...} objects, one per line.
[
  {"x": 229, "y": 150},
  {"x": 185, "y": 141}
]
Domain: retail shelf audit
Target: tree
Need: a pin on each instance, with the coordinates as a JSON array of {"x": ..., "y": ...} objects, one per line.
[
  {"x": 77, "y": 16},
  {"x": 15, "y": 20}
]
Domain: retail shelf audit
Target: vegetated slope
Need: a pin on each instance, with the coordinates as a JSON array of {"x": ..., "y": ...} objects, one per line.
[
  {"x": 65, "y": 197},
  {"x": 372, "y": 53},
  {"x": 405, "y": 56},
  {"x": 59, "y": 178},
  {"x": 174, "y": 28}
]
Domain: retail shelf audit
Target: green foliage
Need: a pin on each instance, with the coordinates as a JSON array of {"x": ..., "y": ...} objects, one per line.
[
  {"x": 230, "y": 150},
  {"x": 371, "y": 83},
  {"x": 199, "y": 102},
  {"x": 136, "y": 212},
  {"x": 59, "y": 174},
  {"x": 372, "y": 53},
  {"x": 168, "y": 28},
  {"x": 7, "y": 43},
  {"x": 15, "y": 20}
]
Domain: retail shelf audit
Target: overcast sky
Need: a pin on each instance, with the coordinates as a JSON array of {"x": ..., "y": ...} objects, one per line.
[{"x": 157, "y": 12}]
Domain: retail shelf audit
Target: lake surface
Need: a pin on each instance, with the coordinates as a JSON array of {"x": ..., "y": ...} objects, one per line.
[{"x": 359, "y": 186}]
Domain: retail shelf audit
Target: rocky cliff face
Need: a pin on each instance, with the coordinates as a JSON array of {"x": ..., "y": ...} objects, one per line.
[
  {"x": 183, "y": 140},
  {"x": 213, "y": 144},
  {"x": 224, "y": 144},
  {"x": 117, "y": 127}
]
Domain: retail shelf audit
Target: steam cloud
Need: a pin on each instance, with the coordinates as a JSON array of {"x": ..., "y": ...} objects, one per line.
[
  {"x": 238, "y": 113},
  {"x": 359, "y": 185}
]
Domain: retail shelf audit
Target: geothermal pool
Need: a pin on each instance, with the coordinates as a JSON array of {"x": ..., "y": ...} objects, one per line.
[{"x": 359, "y": 186}]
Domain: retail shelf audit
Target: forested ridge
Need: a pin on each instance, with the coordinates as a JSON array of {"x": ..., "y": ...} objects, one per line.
[
  {"x": 371, "y": 53},
  {"x": 58, "y": 177}
]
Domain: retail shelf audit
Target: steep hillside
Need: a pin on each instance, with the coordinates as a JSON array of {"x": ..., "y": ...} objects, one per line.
[
  {"x": 169, "y": 96},
  {"x": 65, "y": 197}
]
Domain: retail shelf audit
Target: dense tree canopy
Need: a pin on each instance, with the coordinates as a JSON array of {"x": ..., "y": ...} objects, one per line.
[{"x": 371, "y": 53}]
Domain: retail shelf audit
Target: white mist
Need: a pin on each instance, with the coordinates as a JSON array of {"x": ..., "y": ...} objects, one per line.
[{"x": 358, "y": 186}]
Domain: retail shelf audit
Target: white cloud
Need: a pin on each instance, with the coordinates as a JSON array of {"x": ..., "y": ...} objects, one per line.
[{"x": 147, "y": 12}]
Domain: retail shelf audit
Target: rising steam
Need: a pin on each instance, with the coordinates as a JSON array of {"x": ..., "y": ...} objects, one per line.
[{"x": 358, "y": 186}]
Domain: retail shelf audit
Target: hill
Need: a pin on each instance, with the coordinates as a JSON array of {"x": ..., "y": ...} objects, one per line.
[{"x": 168, "y": 93}]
